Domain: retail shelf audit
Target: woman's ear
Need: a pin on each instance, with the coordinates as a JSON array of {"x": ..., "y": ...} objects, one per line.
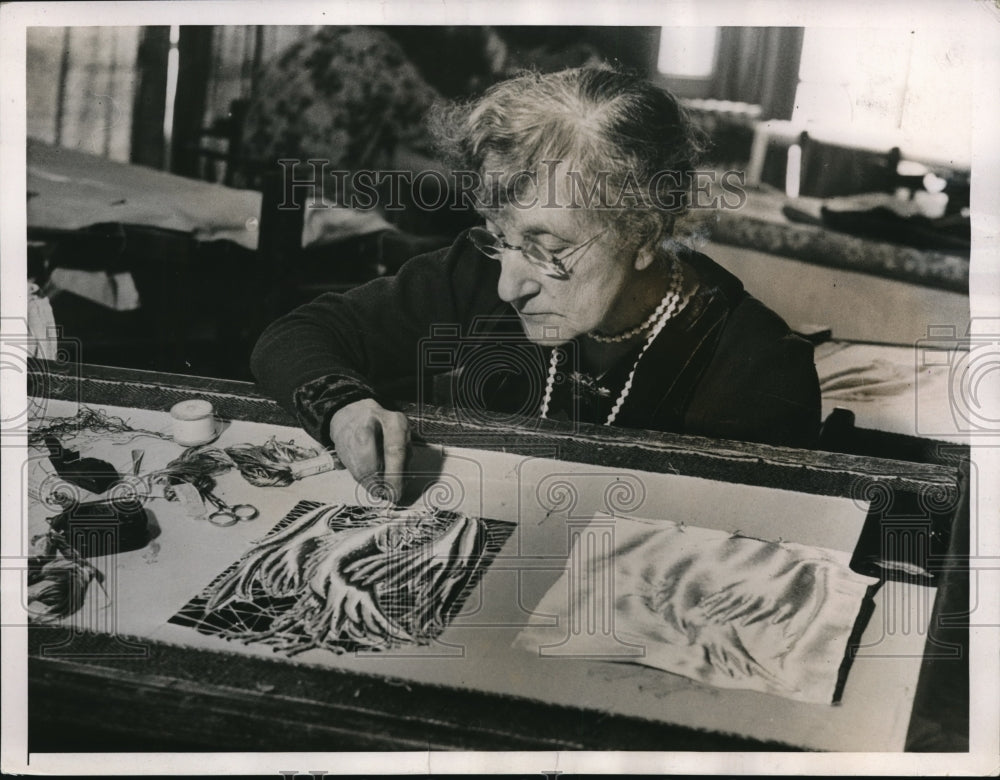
[
  {"x": 650, "y": 244},
  {"x": 645, "y": 256}
]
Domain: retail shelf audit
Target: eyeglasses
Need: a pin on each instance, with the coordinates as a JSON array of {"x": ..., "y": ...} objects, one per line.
[{"x": 549, "y": 263}]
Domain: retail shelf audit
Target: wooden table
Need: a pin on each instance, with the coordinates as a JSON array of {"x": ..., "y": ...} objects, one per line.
[{"x": 94, "y": 692}]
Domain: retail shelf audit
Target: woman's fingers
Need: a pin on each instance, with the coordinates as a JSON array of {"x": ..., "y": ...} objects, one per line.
[
  {"x": 353, "y": 431},
  {"x": 373, "y": 443},
  {"x": 395, "y": 448}
]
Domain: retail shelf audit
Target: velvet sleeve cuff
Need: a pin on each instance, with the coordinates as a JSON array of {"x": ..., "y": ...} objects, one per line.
[{"x": 316, "y": 401}]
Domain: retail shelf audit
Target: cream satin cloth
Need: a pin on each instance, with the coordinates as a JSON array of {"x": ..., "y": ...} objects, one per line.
[
  {"x": 70, "y": 190},
  {"x": 904, "y": 390},
  {"x": 727, "y": 611},
  {"x": 875, "y": 380},
  {"x": 41, "y": 325}
]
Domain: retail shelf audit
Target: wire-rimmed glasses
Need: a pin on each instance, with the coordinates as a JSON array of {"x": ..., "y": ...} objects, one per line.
[{"x": 549, "y": 263}]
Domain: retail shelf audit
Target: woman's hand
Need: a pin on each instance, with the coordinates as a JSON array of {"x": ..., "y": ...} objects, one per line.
[{"x": 373, "y": 443}]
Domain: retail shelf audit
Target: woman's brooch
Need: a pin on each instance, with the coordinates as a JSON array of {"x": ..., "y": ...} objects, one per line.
[{"x": 587, "y": 385}]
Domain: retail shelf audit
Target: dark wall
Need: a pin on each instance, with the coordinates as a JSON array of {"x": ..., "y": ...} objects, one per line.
[{"x": 458, "y": 61}]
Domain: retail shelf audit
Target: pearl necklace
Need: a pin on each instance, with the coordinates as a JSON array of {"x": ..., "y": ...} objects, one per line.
[
  {"x": 669, "y": 306},
  {"x": 642, "y": 326}
]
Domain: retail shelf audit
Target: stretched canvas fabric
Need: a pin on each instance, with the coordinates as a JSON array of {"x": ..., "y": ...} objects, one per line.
[{"x": 722, "y": 609}]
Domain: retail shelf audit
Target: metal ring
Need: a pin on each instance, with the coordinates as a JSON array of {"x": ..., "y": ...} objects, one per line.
[
  {"x": 232, "y": 519},
  {"x": 245, "y": 512}
]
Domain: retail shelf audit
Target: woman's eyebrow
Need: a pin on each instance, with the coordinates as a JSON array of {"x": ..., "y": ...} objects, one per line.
[{"x": 535, "y": 232}]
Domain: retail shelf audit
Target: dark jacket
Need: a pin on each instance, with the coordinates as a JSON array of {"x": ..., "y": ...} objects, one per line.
[{"x": 725, "y": 367}]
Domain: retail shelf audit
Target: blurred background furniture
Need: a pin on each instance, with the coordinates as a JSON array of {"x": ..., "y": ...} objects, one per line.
[{"x": 155, "y": 219}]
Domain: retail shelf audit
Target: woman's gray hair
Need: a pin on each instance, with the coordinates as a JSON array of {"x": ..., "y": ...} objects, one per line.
[{"x": 626, "y": 138}]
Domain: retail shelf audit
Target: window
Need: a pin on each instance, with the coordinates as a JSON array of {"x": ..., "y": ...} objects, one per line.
[
  {"x": 888, "y": 87},
  {"x": 688, "y": 52}
]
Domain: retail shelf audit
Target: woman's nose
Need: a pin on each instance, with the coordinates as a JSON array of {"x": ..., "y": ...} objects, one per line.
[{"x": 516, "y": 278}]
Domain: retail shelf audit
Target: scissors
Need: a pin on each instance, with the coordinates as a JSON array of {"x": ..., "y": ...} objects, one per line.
[{"x": 226, "y": 515}]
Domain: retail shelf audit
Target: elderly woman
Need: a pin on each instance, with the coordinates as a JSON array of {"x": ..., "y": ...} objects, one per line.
[{"x": 572, "y": 302}]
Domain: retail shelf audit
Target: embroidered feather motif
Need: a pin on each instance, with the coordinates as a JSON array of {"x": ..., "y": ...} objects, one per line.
[{"x": 344, "y": 578}]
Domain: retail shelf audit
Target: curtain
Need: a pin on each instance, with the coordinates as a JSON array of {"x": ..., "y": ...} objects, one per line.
[
  {"x": 149, "y": 108},
  {"x": 238, "y": 54},
  {"x": 759, "y": 65},
  {"x": 81, "y": 87}
]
